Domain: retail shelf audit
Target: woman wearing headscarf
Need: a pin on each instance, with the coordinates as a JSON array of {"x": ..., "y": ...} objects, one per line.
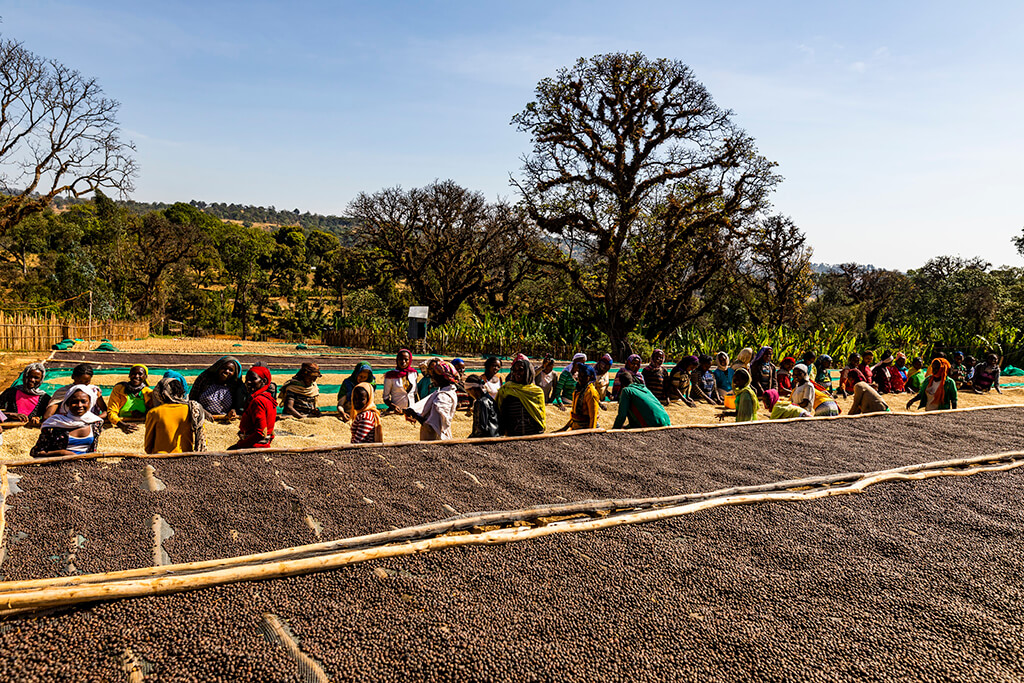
[
  {"x": 546, "y": 378},
  {"x": 362, "y": 374},
  {"x": 81, "y": 375},
  {"x": 723, "y": 374},
  {"x": 520, "y": 402},
  {"x": 762, "y": 371},
  {"x": 746, "y": 398},
  {"x": 881, "y": 374},
  {"x": 300, "y": 394},
  {"x": 585, "y": 405},
  {"x": 781, "y": 410},
  {"x": 631, "y": 368},
  {"x": 743, "y": 359},
  {"x": 26, "y": 401},
  {"x": 938, "y": 392},
  {"x": 256, "y": 428},
  {"x": 129, "y": 399},
  {"x": 400, "y": 383},
  {"x": 73, "y": 429},
  {"x": 809, "y": 397},
  {"x": 220, "y": 390},
  {"x": 824, "y": 377},
  {"x": 679, "y": 382},
  {"x": 567, "y": 379},
  {"x": 655, "y": 374},
  {"x": 366, "y": 425},
  {"x": 174, "y": 424},
  {"x": 435, "y": 412}
]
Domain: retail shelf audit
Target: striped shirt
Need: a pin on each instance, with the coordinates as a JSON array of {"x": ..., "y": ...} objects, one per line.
[{"x": 364, "y": 427}]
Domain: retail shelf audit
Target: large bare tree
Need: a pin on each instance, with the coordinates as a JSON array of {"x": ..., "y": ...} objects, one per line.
[
  {"x": 447, "y": 243},
  {"x": 58, "y": 134},
  {"x": 636, "y": 164}
]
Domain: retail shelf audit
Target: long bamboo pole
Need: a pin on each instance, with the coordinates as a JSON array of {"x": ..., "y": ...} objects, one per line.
[
  {"x": 68, "y": 595},
  {"x": 472, "y": 520}
]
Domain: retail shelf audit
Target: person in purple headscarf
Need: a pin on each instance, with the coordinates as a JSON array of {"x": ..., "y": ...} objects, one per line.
[
  {"x": 632, "y": 368},
  {"x": 762, "y": 372}
]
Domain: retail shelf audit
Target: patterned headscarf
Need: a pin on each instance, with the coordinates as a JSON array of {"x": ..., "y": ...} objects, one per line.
[
  {"x": 447, "y": 371},
  {"x": 762, "y": 353},
  {"x": 585, "y": 377},
  {"x": 38, "y": 391},
  {"x": 174, "y": 374}
]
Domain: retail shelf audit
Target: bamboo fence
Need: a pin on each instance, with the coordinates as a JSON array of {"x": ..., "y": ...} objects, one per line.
[{"x": 24, "y": 332}]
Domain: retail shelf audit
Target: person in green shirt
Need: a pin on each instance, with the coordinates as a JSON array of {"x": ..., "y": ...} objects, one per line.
[
  {"x": 916, "y": 375},
  {"x": 938, "y": 392},
  {"x": 638, "y": 407},
  {"x": 746, "y": 398}
]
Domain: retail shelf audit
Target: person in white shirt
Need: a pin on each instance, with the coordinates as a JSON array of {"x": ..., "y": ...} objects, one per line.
[
  {"x": 400, "y": 384},
  {"x": 435, "y": 412}
]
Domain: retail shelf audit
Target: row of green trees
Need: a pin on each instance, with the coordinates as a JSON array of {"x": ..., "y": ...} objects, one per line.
[{"x": 643, "y": 217}]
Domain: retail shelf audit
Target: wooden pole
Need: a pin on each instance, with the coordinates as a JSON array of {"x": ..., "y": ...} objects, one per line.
[{"x": 55, "y": 597}]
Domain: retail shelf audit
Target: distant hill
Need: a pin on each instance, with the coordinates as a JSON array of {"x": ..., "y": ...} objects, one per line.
[{"x": 252, "y": 215}]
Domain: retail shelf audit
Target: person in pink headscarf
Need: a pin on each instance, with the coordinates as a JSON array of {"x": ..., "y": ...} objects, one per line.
[{"x": 436, "y": 411}]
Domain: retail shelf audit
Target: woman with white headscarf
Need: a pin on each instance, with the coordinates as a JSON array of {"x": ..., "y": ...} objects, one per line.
[
  {"x": 74, "y": 429},
  {"x": 26, "y": 401}
]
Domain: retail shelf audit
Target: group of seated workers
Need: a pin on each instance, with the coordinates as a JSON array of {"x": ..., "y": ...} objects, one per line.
[
  {"x": 71, "y": 420},
  {"x": 173, "y": 414}
]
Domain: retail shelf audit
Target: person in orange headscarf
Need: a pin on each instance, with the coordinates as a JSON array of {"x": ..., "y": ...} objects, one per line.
[{"x": 938, "y": 392}]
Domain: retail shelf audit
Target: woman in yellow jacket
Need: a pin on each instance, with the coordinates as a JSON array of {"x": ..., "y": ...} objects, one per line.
[
  {"x": 174, "y": 424},
  {"x": 585, "y": 401}
]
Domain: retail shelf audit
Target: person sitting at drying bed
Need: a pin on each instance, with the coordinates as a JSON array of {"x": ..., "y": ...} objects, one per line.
[
  {"x": 781, "y": 410},
  {"x": 80, "y": 376},
  {"x": 460, "y": 386},
  {"x": 73, "y": 429},
  {"x": 435, "y": 412},
  {"x": 366, "y": 425},
  {"x": 299, "y": 394},
  {"x": 566, "y": 386},
  {"x": 129, "y": 399},
  {"x": 256, "y": 428},
  {"x": 655, "y": 375},
  {"x": 363, "y": 374},
  {"x": 809, "y": 397},
  {"x": 631, "y": 368},
  {"x": 723, "y": 374},
  {"x": 400, "y": 383},
  {"x": 638, "y": 407},
  {"x": 746, "y": 398},
  {"x": 426, "y": 384},
  {"x": 866, "y": 399},
  {"x": 521, "y": 402},
  {"x": 492, "y": 379},
  {"x": 174, "y": 424},
  {"x": 546, "y": 378},
  {"x": 986, "y": 375},
  {"x": 485, "y": 411},
  {"x": 602, "y": 370},
  {"x": 585, "y": 405},
  {"x": 938, "y": 392},
  {"x": 220, "y": 390},
  {"x": 26, "y": 401}
]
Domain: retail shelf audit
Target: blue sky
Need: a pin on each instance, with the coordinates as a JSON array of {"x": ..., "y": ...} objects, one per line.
[{"x": 896, "y": 125}]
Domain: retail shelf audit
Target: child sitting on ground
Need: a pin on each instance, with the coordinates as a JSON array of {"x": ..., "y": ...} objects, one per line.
[
  {"x": 485, "y": 411},
  {"x": 785, "y": 375}
]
